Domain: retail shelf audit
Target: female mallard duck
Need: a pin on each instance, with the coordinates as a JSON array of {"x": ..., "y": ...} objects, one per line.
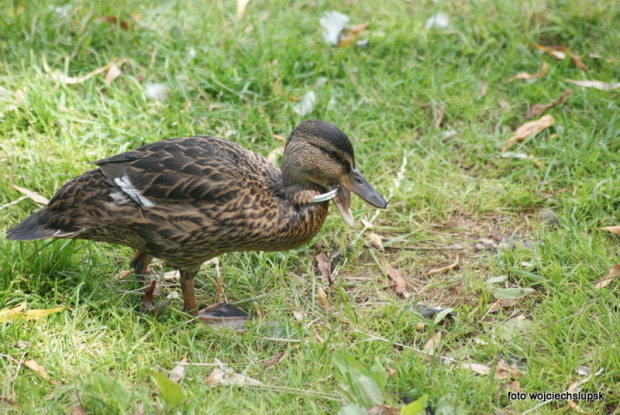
[{"x": 187, "y": 200}]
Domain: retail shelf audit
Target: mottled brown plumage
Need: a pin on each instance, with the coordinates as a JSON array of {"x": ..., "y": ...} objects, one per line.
[{"x": 189, "y": 199}]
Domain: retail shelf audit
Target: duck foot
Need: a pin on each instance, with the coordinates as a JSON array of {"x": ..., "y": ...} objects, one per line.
[{"x": 223, "y": 315}]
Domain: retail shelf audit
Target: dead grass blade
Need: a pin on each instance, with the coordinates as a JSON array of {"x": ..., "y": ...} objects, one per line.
[
  {"x": 39, "y": 370},
  {"x": 454, "y": 265},
  {"x": 613, "y": 229},
  {"x": 325, "y": 267},
  {"x": 66, "y": 79},
  {"x": 614, "y": 272},
  {"x": 529, "y": 129}
]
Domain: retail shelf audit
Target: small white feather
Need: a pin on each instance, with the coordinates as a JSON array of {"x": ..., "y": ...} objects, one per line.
[{"x": 126, "y": 186}]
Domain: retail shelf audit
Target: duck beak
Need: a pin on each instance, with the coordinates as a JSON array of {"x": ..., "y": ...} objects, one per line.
[{"x": 356, "y": 183}]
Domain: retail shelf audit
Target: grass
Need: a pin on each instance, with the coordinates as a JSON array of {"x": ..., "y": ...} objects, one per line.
[{"x": 455, "y": 190}]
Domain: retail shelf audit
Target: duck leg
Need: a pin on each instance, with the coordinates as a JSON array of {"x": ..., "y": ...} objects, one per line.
[
  {"x": 140, "y": 263},
  {"x": 187, "y": 289}
]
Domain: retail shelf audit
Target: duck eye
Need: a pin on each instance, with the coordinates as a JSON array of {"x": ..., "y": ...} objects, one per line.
[{"x": 332, "y": 154}]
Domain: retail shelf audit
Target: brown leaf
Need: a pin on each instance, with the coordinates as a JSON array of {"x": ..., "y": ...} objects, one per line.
[
  {"x": 603, "y": 86},
  {"x": 578, "y": 62},
  {"x": 539, "y": 109},
  {"x": 529, "y": 129},
  {"x": 455, "y": 264},
  {"x": 500, "y": 304},
  {"x": 8, "y": 401},
  {"x": 78, "y": 410},
  {"x": 555, "y": 51},
  {"x": 383, "y": 410},
  {"x": 177, "y": 373},
  {"x": 39, "y": 370},
  {"x": 113, "y": 72},
  {"x": 504, "y": 371},
  {"x": 614, "y": 272},
  {"x": 512, "y": 386},
  {"x": 398, "y": 283},
  {"x": 613, "y": 229},
  {"x": 544, "y": 68},
  {"x": 374, "y": 241},
  {"x": 222, "y": 377},
  {"x": 325, "y": 267},
  {"x": 433, "y": 343},
  {"x": 273, "y": 360},
  {"x": 354, "y": 33},
  {"x": 321, "y": 297},
  {"x": 476, "y": 368},
  {"x": 34, "y": 196},
  {"x": 10, "y": 313},
  {"x": 113, "y": 20},
  {"x": 66, "y": 79},
  {"x": 439, "y": 114}
]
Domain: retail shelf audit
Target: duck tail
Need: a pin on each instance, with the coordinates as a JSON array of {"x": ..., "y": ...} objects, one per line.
[{"x": 32, "y": 228}]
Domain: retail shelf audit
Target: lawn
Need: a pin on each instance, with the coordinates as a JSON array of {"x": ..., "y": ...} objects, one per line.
[{"x": 507, "y": 241}]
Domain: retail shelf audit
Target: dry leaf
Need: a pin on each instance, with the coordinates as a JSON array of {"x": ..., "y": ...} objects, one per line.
[
  {"x": 354, "y": 33},
  {"x": 222, "y": 377},
  {"x": 78, "y": 410},
  {"x": 525, "y": 75},
  {"x": 325, "y": 267},
  {"x": 241, "y": 6},
  {"x": 10, "y": 313},
  {"x": 36, "y": 314},
  {"x": 614, "y": 272},
  {"x": 374, "y": 241},
  {"x": 439, "y": 114},
  {"x": 33, "y": 195},
  {"x": 39, "y": 370},
  {"x": 383, "y": 410},
  {"x": 476, "y": 368},
  {"x": 177, "y": 373},
  {"x": 528, "y": 129},
  {"x": 113, "y": 20},
  {"x": 603, "y": 86},
  {"x": 433, "y": 343},
  {"x": 503, "y": 371},
  {"x": 446, "y": 268},
  {"x": 398, "y": 282},
  {"x": 500, "y": 304},
  {"x": 513, "y": 386},
  {"x": 556, "y": 52},
  {"x": 613, "y": 229},
  {"x": 113, "y": 72},
  {"x": 65, "y": 79},
  {"x": 321, "y": 297},
  {"x": 273, "y": 360},
  {"x": 538, "y": 109},
  {"x": 578, "y": 62}
]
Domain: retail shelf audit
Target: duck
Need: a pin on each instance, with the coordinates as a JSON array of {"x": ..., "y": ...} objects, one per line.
[{"x": 190, "y": 199}]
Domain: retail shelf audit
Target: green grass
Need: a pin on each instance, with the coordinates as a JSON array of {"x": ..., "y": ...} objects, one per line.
[{"x": 456, "y": 190}]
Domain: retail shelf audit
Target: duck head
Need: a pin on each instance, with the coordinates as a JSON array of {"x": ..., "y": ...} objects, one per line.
[{"x": 318, "y": 153}]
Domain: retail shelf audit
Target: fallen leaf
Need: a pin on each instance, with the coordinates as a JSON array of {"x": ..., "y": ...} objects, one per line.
[
  {"x": 221, "y": 377},
  {"x": 325, "y": 267},
  {"x": 177, "y": 373},
  {"x": 18, "y": 312},
  {"x": 500, "y": 304},
  {"x": 66, "y": 79},
  {"x": 333, "y": 23},
  {"x": 454, "y": 265},
  {"x": 603, "y": 86},
  {"x": 439, "y": 20},
  {"x": 352, "y": 35},
  {"x": 578, "y": 62},
  {"x": 113, "y": 72},
  {"x": 10, "y": 313},
  {"x": 512, "y": 385},
  {"x": 34, "y": 196},
  {"x": 613, "y": 229},
  {"x": 504, "y": 371},
  {"x": 273, "y": 360},
  {"x": 529, "y": 129},
  {"x": 614, "y": 272},
  {"x": 306, "y": 104},
  {"x": 544, "y": 68},
  {"x": 553, "y": 51},
  {"x": 439, "y": 114},
  {"x": 39, "y": 370},
  {"x": 431, "y": 346},
  {"x": 321, "y": 297},
  {"x": 8, "y": 401},
  {"x": 538, "y": 109},
  {"x": 374, "y": 241},
  {"x": 398, "y": 282},
  {"x": 241, "y": 6},
  {"x": 477, "y": 368},
  {"x": 113, "y": 20},
  {"x": 383, "y": 410},
  {"x": 78, "y": 410}
]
